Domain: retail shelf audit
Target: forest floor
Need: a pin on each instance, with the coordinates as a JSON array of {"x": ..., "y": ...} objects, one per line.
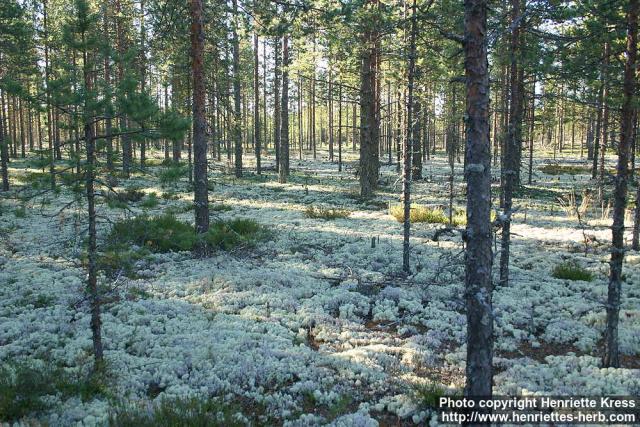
[{"x": 311, "y": 325}]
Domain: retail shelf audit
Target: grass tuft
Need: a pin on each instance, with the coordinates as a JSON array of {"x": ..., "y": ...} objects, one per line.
[
  {"x": 177, "y": 413},
  {"x": 24, "y": 388},
  {"x": 227, "y": 235},
  {"x": 570, "y": 270},
  {"x": 326, "y": 213},
  {"x": 430, "y": 215},
  {"x": 172, "y": 174},
  {"x": 556, "y": 169},
  {"x": 427, "y": 395},
  {"x": 151, "y": 201}
]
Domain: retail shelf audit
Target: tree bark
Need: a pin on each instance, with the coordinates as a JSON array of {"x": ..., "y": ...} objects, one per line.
[
  {"x": 283, "y": 172},
  {"x": 513, "y": 146},
  {"x": 369, "y": 147},
  {"x": 256, "y": 105},
  {"x": 478, "y": 254},
  {"x": 276, "y": 101},
  {"x": 201, "y": 192},
  {"x": 4, "y": 151},
  {"x": 407, "y": 155},
  {"x": 237, "y": 112},
  {"x": 125, "y": 141},
  {"x": 611, "y": 354}
]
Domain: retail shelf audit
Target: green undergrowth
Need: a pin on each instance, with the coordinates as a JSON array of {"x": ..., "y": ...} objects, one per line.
[
  {"x": 26, "y": 388},
  {"x": 193, "y": 412},
  {"x": 570, "y": 270},
  {"x": 132, "y": 240},
  {"x": 557, "y": 169},
  {"x": 320, "y": 212},
  {"x": 427, "y": 214},
  {"x": 428, "y": 395},
  {"x": 172, "y": 173}
]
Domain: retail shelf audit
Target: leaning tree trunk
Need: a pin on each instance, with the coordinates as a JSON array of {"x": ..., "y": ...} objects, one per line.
[
  {"x": 611, "y": 354},
  {"x": 478, "y": 255},
  {"x": 200, "y": 187},
  {"x": 283, "y": 172}
]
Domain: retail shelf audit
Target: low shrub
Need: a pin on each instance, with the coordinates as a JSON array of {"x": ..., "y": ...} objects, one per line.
[
  {"x": 420, "y": 213},
  {"x": 151, "y": 201},
  {"x": 570, "y": 270},
  {"x": 158, "y": 234},
  {"x": 172, "y": 174},
  {"x": 24, "y": 388},
  {"x": 221, "y": 207},
  {"x": 428, "y": 395},
  {"x": 169, "y": 195},
  {"x": 120, "y": 258},
  {"x": 20, "y": 212},
  {"x": 326, "y": 213},
  {"x": 197, "y": 412},
  {"x": 166, "y": 233},
  {"x": 556, "y": 169},
  {"x": 227, "y": 235},
  {"x": 432, "y": 215}
]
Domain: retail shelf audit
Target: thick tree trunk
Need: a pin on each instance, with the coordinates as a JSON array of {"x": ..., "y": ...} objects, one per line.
[
  {"x": 369, "y": 162},
  {"x": 283, "y": 172},
  {"x": 201, "y": 192},
  {"x": 478, "y": 255},
  {"x": 611, "y": 354}
]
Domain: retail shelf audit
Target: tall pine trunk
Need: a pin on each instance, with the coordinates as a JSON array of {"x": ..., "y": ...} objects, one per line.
[
  {"x": 256, "y": 105},
  {"x": 369, "y": 162},
  {"x": 237, "y": 112},
  {"x": 407, "y": 152},
  {"x": 478, "y": 254},
  {"x": 283, "y": 172},
  {"x": 201, "y": 194},
  {"x": 513, "y": 145}
]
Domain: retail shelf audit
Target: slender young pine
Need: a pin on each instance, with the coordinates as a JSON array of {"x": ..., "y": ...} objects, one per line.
[{"x": 611, "y": 357}]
